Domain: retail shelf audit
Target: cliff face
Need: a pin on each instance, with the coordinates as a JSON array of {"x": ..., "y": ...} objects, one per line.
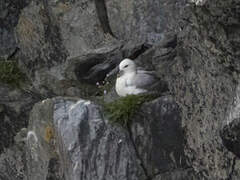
[{"x": 53, "y": 125}]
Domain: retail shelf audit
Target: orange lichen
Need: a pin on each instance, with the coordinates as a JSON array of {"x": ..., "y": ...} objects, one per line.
[{"x": 49, "y": 134}]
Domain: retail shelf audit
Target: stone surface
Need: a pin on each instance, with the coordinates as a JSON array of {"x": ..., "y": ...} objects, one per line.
[
  {"x": 186, "y": 174},
  {"x": 198, "y": 2},
  {"x": 143, "y": 20},
  {"x": 52, "y": 34},
  {"x": 158, "y": 136},
  {"x": 13, "y": 163},
  {"x": 15, "y": 105},
  {"x": 75, "y": 134},
  {"x": 66, "y": 47},
  {"x": 9, "y": 13},
  {"x": 231, "y": 137}
]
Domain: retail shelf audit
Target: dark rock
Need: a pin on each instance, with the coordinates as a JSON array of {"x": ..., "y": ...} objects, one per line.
[
  {"x": 158, "y": 136},
  {"x": 8, "y": 43},
  {"x": 15, "y": 106},
  {"x": 53, "y": 168},
  {"x": 13, "y": 163},
  {"x": 231, "y": 136},
  {"x": 9, "y": 13},
  {"x": 93, "y": 68},
  {"x": 103, "y": 16}
]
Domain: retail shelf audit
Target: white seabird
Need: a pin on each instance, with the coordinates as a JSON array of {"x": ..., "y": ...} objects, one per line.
[{"x": 131, "y": 80}]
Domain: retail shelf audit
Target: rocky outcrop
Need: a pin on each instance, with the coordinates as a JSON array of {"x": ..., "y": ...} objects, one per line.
[
  {"x": 143, "y": 21},
  {"x": 230, "y": 136},
  {"x": 158, "y": 136},
  {"x": 67, "y": 47},
  {"x": 15, "y": 105},
  {"x": 75, "y": 134},
  {"x": 9, "y": 13}
]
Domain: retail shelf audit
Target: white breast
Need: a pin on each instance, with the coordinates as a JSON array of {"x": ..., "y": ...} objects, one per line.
[
  {"x": 121, "y": 86},
  {"x": 123, "y": 89}
]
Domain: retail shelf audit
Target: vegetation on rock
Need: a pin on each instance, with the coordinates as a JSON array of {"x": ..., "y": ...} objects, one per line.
[
  {"x": 10, "y": 73},
  {"x": 122, "y": 110}
]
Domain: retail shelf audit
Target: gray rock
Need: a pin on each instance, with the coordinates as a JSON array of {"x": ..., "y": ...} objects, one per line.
[
  {"x": 8, "y": 44},
  {"x": 195, "y": 49},
  {"x": 51, "y": 34},
  {"x": 15, "y": 105},
  {"x": 186, "y": 174},
  {"x": 13, "y": 163},
  {"x": 9, "y": 13},
  {"x": 74, "y": 134},
  {"x": 142, "y": 20},
  {"x": 230, "y": 135},
  {"x": 198, "y": 2},
  {"x": 158, "y": 136},
  {"x": 39, "y": 38}
]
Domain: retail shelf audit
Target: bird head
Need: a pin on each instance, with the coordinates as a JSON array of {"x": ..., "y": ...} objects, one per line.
[{"x": 127, "y": 66}]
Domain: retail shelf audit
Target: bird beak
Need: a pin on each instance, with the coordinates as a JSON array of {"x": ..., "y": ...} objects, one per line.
[{"x": 120, "y": 73}]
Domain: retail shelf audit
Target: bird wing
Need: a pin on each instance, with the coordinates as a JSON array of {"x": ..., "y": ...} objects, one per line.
[{"x": 143, "y": 79}]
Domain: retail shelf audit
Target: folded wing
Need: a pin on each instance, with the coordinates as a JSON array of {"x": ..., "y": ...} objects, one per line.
[{"x": 143, "y": 79}]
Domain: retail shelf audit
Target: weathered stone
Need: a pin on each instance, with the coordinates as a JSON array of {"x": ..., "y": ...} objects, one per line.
[
  {"x": 231, "y": 136},
  {"x": 68, "y": 46},
  {"x": 13, "y": 163},
  {"x": 180, "y": 174},
  {"x": 51, "y": 34},
  {"x": 143, "y": 20},
  {"x": 9, "y": 13},
  {"x": 39, "y": 38},
  {"x": 198, "y": 2},
  {"x": 158, "y": 136},
  {"x": 75, "y": 135},
  {"x": 15, "y": 106}
]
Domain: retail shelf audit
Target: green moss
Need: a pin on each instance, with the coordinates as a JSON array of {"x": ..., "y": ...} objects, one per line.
[
  {"x": 10, "y": 73},
  {"x": 122, "y": 110}
]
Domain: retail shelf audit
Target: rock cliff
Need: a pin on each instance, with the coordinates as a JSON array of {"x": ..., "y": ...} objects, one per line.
[{"x": 53, "y": 124}]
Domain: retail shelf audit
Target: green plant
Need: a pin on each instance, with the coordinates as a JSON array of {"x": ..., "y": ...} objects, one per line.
[
  {"x": 10, "y": 73},
  {"x": 122, "y": 110}
]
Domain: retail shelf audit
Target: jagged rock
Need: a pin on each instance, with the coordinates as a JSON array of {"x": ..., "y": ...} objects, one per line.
[
  {"x": 200, "y": 63},
  {"x": 231, "y": 136},
  {"x": 13, "y": 163},
  {"x": 9, "y": 13},
  {"x": 15, "y": 106},
  {"x": 92, "y": 68},
  {"x": 8, "y": 41},
  {"x": 75, "y": 134},
  {"x": 72, "y": 135},
  {"x": 13, "y": 159},
  {"x": 158, "y": 136},
  {"x": 52, "y": 34},
  {"x": 143, "y": 20}
]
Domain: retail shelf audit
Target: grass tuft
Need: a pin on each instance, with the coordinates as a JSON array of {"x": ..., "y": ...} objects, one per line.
[
  {"x": 122, "y": 110},
  {"x": 10, "y": 73}
]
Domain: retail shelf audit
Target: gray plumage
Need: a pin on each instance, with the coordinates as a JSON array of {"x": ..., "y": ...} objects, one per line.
[
  {"x": 144, "y": 79},
  {"x": 132, "y": 80}
]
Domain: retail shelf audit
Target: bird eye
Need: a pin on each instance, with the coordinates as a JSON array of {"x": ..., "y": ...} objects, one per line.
[{"x": 125, "y": 66}]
